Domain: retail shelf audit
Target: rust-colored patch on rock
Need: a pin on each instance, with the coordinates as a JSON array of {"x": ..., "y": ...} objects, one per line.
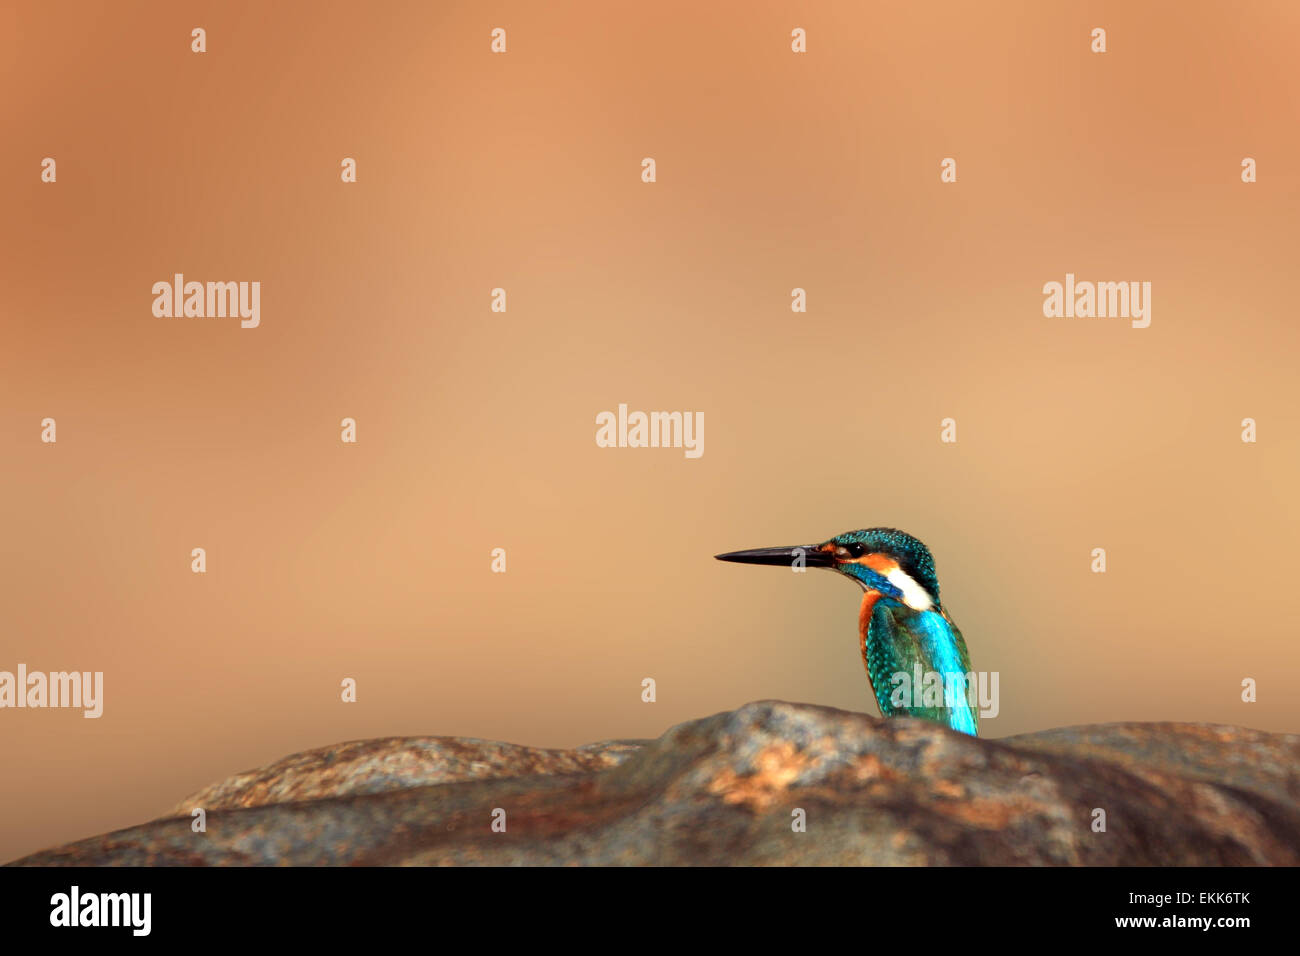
[{"x": 775, "y": 767}]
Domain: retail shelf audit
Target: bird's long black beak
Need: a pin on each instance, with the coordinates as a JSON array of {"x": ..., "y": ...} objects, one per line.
[{"x": 783, "y": 557}]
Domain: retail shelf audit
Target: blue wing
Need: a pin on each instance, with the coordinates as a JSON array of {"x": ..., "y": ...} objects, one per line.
[{"x": 903, "y": 645}]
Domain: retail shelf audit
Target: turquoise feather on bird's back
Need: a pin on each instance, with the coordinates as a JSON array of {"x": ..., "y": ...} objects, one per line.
[{"x": 918, "y": 666}]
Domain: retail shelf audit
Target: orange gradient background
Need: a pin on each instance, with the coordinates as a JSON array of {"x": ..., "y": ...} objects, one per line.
[{"x": 476, "y": 429}]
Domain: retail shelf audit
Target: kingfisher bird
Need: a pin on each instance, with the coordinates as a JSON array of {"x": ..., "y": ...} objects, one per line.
[{"x": 906, "y": 635}]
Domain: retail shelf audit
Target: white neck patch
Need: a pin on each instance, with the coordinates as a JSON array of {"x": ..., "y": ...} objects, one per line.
[{"x": 914, "y": 596}]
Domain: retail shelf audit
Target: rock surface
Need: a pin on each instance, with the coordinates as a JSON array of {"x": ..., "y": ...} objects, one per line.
[
  {"x": 724, "y": 790},
  {"x": 396, "y": 763}
]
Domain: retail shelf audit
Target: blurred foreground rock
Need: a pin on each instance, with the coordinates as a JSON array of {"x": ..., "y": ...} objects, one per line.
[{"x": 723, "y": 790}]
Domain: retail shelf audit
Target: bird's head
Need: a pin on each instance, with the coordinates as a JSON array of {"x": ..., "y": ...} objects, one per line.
[{"x": 879, "y": 559}]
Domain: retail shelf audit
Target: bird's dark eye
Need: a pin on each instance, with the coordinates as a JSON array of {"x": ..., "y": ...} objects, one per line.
[{"x": 856, "y": 550}]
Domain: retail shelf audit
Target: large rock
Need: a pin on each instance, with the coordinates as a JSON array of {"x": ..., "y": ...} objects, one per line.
[{"x": 724, "y": 790}]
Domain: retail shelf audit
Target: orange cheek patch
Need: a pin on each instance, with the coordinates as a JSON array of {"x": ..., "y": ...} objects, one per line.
[{"x": 880, "y": 563}]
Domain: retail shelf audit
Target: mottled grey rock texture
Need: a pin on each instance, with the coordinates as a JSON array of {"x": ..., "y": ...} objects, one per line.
[
  {"x": 723, "y": 790},
  {"x": 396, "y": 763}
]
